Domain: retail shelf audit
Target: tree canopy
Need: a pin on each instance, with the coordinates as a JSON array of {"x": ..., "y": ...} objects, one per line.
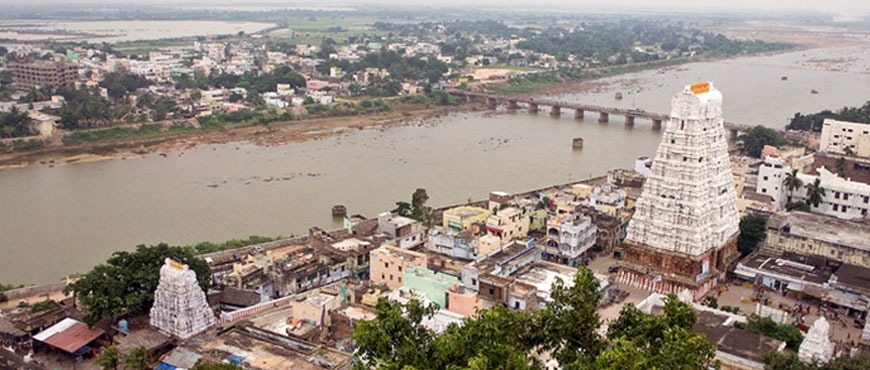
[
  {"x": 753, "y": 230},
  {"x": 813, "y": 122},
  {"x": 566, "y": 328},
  {"x": 127, "y": 280},
  {"x": 14, "y": 123},
  {"x": 754, "y": 140}
]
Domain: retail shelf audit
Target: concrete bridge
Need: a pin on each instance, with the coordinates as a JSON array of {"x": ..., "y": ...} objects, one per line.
[{"x": 533, "y": 105}]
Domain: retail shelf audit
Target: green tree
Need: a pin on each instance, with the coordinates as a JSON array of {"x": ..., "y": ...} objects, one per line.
[
  {"x": 792, "y": 182},
  {"x": 842, "y": 168},
  {"x": 403, "y": 209},
  {"x": 568, "y": 327},
  {"x": 14, "y": 123},
  {"x": 127, "y": 280},
  {"x": 398, "y": 339},
  {"x": 815, "y": 193},
  {"x": 753, "y": 141},
  {"x": 419, "y": 210},
  {"x": 109, "y": 359},
  {"x": 137, "y": 359},
  {"x": 790, "y": 334},
  {"x": 753, "y": 230},
  {"x": 798, "y": 206}
]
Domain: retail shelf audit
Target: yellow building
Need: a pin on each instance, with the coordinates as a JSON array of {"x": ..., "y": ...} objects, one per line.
[
  {"x": 388, "y": 263},
  {"x": 508, "y": 224},
  {"x": 463, "y": 217},
  {"x": 818, "y": 235},
  {"x": 311, "y": 307}
]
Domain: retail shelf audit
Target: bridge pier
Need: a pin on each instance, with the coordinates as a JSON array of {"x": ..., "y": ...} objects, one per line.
[
  {"x": 491, "y": 103},
  {"x": 603, "y": 117},
  {"x": 555, "y": 111},
  {"x": 629, "y": 120},
  {"x": 578, "y": 114},
  {"x": 533, "y": 107},
  {"x": 657, "y": 124},
  {"x": 512, "y": 105}
]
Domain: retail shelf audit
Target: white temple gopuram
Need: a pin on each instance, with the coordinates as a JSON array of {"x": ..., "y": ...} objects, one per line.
[
  {"x": 817, "y": 346},
  {"x": 683, "y": 234},
  {"x": 180, "y": 307}
]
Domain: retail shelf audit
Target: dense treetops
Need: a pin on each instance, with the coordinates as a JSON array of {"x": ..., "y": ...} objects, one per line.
[
  {"x": 813, "y": 122},
  {"x": 14, "y": 123},
  {"x": 567, "y": 330},
  {"x": 753, "y": 141}
]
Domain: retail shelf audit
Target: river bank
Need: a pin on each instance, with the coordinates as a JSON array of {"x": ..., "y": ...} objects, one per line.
[{"x": 275, "y": 133}]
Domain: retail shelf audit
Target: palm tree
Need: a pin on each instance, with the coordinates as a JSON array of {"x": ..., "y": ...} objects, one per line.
[
  {"x": 815, "y": 193},
  {"x": 792, "y": 183}
]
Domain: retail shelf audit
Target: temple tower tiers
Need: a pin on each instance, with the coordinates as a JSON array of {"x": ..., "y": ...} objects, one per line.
[
  {"x": 180, "y": 307},
  {"x": 817, "y": 346},
  {"x": 683, "y": 234}
]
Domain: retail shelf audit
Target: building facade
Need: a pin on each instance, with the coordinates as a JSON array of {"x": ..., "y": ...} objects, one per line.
[
  {"x": 463, "y": 217},
  {"x": 389, "y": 263},
  {"x": 843, "y": 198},
  {"x": 842, "y": 137},
  {"x": 810, "y": 234},
  {"x": 39, "y": 73},
  {"x": 568, "y": 238},
  {"x": 684, "y": 230}
]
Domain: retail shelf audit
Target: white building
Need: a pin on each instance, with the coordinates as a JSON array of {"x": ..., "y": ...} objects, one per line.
[
  {"x": 843, "y": 198},
  {"x": 838, "y": 136},
  {"x": 568, "y": 238}
]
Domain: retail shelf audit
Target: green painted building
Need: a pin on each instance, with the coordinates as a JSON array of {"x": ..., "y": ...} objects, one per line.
[{"x": 429, "y": 283}]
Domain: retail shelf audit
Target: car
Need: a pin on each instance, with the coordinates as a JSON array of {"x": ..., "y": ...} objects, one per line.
[
  {"x": 613, "y": 268},
  {"x": 258, "y": 249}
]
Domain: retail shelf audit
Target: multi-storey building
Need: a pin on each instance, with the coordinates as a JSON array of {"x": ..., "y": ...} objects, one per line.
[
  {"x": 810, "y": 234},
  {"x": 843, "y": 137},
  {"x": 464, "y": 217},
  {"x": 508, "y": 224},
  {"x": 568, "y": 238},
  {"x": 683, "y": 234},
  {"x": 843, "y": 198},
  {"x": 389, "y": 263},
  {"x": 38, "y": 73}
]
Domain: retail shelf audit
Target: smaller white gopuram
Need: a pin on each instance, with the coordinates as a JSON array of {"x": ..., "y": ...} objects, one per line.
[
  {"x": 180, "y": 307},
  {"x": 817, "y": 346}
]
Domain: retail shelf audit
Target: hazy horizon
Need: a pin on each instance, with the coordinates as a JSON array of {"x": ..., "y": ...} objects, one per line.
[{"x": 851, "y": 8}]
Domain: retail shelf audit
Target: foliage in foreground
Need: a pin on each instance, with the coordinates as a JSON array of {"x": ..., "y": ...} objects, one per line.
[
  {"x": 126, "y": 281},
  {"x": 567, "y": 329}
]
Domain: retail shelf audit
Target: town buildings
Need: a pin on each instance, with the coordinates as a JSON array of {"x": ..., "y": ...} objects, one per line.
[
  {"x": 41, "y": 73},
  {"x": 389, "y": 263},
  {"x": 568, "y": 238},
  {"x": 842, "y": 198},
  {"x": 841, "y": 137},
  {"x": 817, "y": 235},
  {"x": 684, "y": 231}
]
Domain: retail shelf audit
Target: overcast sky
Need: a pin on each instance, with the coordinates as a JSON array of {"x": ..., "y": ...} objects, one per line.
[{"x": 849, "y": 7}]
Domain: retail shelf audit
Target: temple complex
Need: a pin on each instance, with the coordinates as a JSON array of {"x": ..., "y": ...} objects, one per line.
[
  {"x": 180, "y": 307},
  {"x": 683, "y": 234},
  {"x": 817, "y": 346}
]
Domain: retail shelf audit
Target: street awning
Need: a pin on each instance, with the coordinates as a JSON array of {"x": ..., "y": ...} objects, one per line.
[{"x": 69, "y": 335}]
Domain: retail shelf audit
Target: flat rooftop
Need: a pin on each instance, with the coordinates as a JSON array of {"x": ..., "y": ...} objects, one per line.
[
  {"x": 490, "y": 261},
  {"x": 778, "y": 265},
  {"x": 543, "y": 274},
  {"x": 854, "y": 234}
]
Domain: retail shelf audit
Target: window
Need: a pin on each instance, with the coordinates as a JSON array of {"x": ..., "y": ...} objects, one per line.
[
  {"x": 836, "y": 207},
  {"x": 400, "y": 268},
  {"x": 845, "y": 196},
  {"x": 836, "y": 195},
  {"x": 400, "y": 279},
  {"x": 474, "y": 282},
  {"x": 386, "y": 265},
  {"x": 517, "y": 305},
  {"x": 763, "y": 190},
  {"x": 491, "y": 291},
  {"x": 383, "y": 277},
  {"x": 391, "y": 277},
  {"x": 765, "y": 178}
]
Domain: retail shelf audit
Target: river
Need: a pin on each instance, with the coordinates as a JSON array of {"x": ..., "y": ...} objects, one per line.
[{"x": 63, "y": 219}]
